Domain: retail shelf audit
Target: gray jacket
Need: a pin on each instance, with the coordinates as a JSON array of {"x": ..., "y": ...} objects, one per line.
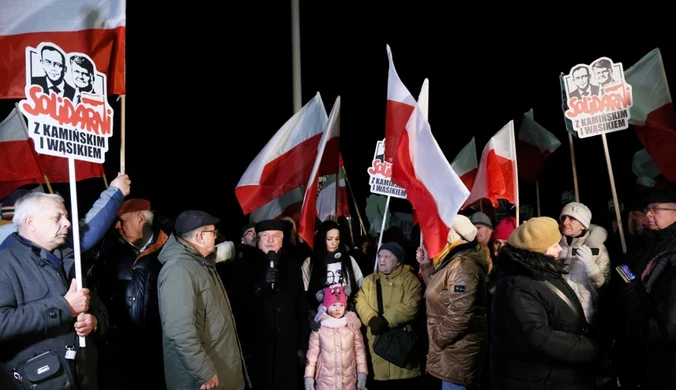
[
  {"x": 199, "y": 335},
  {"x": 35, "y": 316}
]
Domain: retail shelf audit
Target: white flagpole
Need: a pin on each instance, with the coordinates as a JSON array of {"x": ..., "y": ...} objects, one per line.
[{"x": 424, "y": 101}]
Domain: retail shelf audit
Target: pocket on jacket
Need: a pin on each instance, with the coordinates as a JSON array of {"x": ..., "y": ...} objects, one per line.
[
  {"x": 37, "y": 290},
  {"x": 214, "y": 321}
]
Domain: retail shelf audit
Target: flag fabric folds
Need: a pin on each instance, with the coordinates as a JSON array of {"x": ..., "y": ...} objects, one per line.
[
  {"x": 92, "y": 27},
  {"x": 309, "y": 214},
  {"x": 466, "y": 165},
  {"x": 497, "y": 176},
  {"x": 652, "y": 111},
  {"x": 18, "y": 161},
  {"x": 535, "y": 143},
  {"x": 286, "y": 161}
]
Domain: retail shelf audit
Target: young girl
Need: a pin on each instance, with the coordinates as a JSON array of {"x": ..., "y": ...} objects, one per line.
[{"x": 328, "y": 368}]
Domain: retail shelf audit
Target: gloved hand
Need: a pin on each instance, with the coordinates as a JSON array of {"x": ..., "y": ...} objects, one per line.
[
  {"x": 271, "y": 275},
  {"x": 584, "y": 255},
  {"x": 361, "y": 381},
  {"x": 314, "y": 325},
  {"x": 378, "y": 325},
  {"x": 309, "y": 384}
]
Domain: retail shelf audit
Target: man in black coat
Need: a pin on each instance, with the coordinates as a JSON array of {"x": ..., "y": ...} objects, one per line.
[{"x": 276, "y": 318}]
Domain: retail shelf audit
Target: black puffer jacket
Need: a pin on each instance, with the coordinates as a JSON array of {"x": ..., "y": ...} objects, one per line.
[{"x": 538, "y": 340}]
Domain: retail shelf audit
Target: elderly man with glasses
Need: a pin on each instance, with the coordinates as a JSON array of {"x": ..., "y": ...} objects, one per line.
[
  {"x": 647, "y": 356},
  {"x": 200, "y": 342}
]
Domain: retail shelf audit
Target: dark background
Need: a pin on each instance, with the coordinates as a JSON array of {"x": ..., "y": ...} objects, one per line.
[{"x": 207, "y": 87}]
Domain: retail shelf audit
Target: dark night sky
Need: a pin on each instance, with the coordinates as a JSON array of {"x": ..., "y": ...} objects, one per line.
[{"x": 207, "y": 94}]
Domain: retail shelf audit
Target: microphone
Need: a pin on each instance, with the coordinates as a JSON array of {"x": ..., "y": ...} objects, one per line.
[{"x": 272, "y": 257}]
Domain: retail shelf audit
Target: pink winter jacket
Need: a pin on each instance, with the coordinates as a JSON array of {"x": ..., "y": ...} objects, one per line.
[{"x": 336, "y": 355}]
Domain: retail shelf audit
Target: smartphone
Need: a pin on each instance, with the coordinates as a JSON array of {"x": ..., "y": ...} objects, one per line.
[
  {"x": 625, "y": 273},
  {"x": 595, "y": 251}
]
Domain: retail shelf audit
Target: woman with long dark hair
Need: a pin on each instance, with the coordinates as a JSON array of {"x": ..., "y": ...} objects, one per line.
[{"x": 330, "y": 265}]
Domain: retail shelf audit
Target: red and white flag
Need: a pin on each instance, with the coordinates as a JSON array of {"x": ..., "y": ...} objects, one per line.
[
  {"x": 497, "y": 177},
  {"x": 287, "y": 205},
  {"x": 400, "y": 105},
  {"x": 56, "y": 169},
  {"x": 326, "y": 199},
  {"x": 434, "y": 189},
  {"x": 466, "y": 165},
  {"x": 18, "y": 161},
  {"x": 535, "y": 143},
  {"x": 652, "y": 112},
  {"x": 419, "y": 166},
  {"x": 92, "y": 27},
  {"x": 325, "y": 158},
  {"x": 286, "y": 161}
]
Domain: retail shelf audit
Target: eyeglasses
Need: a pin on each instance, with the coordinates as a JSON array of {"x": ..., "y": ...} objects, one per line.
[
  {"x": 50, "y": 63},
  {"x": 655, "y": 210},
  {"x": 215, "y": 231}
]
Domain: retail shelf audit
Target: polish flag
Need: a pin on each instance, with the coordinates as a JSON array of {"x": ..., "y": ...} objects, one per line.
[
  {"x": 535, "y": 143},
  {"x": 400, "y": 105},
  {"x": 287, "y": 205},
  {"x": 652, "y": 112},
  {"x": 466, "y": 165},
  {"x": 418, "y": 165},
  {"x": 497, "y": 176},
  {"x": 18, "y": 159},
  {"x": 434, "y": 189},
  {"x": 56, "y": 169},
  {"x": 92, "y": 27},
  {"x": 326, "y": 200},
  {"x": 325, "y": 157},
  {"x": 285, "y": 163}
]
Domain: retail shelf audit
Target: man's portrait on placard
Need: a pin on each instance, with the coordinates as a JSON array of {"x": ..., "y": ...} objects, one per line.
[{"x": 68, "y": 75}]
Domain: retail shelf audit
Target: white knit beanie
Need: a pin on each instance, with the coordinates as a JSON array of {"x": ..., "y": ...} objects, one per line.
[
  {"x": 578, "y": 211},
  {"x": 462, "y": 229}
]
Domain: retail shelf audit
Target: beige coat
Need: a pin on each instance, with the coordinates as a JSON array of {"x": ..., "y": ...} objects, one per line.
[
  {"x": 336, "y": 355},
  {"x": 402, "y": 293}
]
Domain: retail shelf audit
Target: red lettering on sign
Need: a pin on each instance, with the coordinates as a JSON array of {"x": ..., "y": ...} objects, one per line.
[
  {"x": 97, "y": 121},
  {"x": 381, "y": 168},
  {"x": 609, "y": 102}
]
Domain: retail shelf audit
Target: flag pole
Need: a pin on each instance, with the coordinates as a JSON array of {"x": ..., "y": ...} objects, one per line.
[
  {"x": 123, "y": 110},
  {"x": 354, "y": 200},
  {"x": 572, "y": 160},
  {"x": 382, "y": 230},
  {"x": 295, "y": 52},
  {"x": 123, "y": 121},
  {"x": 424, "y": 101},
  {"x": 618, "y": 214}
]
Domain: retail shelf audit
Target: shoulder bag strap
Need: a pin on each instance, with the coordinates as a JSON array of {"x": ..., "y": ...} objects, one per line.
[
  {"x": 379, "y": 296},
  {"x": 561, "y": 295}
]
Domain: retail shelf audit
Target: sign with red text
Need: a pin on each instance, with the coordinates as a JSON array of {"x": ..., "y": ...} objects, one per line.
[
  {"x": 598, "y": 98},
  {"x": 380, "y": 173},
  {"x": 66, "y": 104}
]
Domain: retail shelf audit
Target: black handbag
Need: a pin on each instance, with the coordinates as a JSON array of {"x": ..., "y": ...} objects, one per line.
[
  {"x": 395, "y": 345},
  {"x": 48, "y": 370}
]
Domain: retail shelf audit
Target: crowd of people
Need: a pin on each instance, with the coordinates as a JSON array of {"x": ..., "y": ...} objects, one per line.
[{"x": 170, "y": 303}]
